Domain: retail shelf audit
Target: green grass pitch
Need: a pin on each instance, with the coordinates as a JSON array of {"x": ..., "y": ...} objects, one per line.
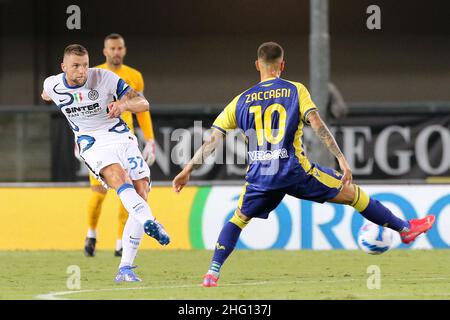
[{"x": 258, "y": 274}]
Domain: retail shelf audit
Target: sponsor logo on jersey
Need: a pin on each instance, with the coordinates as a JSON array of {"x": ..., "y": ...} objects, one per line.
[
  {"x": 268, "y": 155},
  {"x": 90, "y": 107}
]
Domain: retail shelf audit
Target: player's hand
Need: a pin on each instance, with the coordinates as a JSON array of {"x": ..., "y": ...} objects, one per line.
[
  {"x": 346, "y": 171},
  {"x": 115, "y": 108},
  {"x": 149, "y": 152},
  {"x": 76, "y": 152},
  {"x": 45, "y": 96},
  {"x": 180, "y": 181}
]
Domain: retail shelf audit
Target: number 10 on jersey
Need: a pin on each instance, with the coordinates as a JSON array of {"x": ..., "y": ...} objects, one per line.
[{"x": 266, "y": 131}]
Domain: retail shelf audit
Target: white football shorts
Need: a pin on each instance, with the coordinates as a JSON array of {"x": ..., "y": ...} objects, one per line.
[{"x": 127, "y": 155}]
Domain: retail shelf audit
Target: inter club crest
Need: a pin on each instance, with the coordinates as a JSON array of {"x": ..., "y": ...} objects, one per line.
[{"x": 93, "y": 95}]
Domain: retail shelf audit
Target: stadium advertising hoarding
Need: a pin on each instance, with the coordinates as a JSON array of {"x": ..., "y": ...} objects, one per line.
[
  {"x": 300, "y": 224},
  {"x": 386, "y": 146},
  {"x": 396, "y": 146},
  {"x": 377, "y": 145},
  {"x": 195, "y": 217},
  {"x": 56, "y": 218}
]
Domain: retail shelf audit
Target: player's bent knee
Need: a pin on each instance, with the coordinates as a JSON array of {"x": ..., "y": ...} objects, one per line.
[
  {"x": 348, "y": 194},
  {"x": 345, "y": 196},
  {"x": 142, "y": 188},
  {"x": 114, "y": 176}
]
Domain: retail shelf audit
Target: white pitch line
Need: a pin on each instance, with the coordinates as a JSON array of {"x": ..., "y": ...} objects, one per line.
[
  {"x": 54, "y": 295},
  {"x": 57, "y": 295}
]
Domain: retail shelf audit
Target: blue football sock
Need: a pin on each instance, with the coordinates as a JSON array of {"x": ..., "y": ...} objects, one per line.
[
  {"x": 225, "y": 245},
  {"x": 374, "y": 211},
  {"x": 382, "y": 216}
]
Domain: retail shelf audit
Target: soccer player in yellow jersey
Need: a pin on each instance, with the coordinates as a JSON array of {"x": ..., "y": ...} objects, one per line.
[
  {"x": 115, "y": 51},
  {"x": 272, "y": 114}
]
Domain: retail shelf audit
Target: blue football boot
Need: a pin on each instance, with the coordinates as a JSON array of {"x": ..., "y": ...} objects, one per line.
[
  {"x": 155, "y": 230},
  {"x": 126, "y": 274}
]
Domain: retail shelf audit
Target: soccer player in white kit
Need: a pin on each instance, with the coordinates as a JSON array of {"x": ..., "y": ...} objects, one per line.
[{"x": 92, "y": 100}]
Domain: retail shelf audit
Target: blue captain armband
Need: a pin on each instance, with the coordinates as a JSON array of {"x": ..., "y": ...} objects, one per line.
[{"x": 122, "y": 88}]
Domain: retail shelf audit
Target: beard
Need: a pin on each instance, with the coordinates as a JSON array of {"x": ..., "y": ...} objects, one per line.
[
  {"x": 79, "y": 81},
  {"x": 116, "y": 61}
]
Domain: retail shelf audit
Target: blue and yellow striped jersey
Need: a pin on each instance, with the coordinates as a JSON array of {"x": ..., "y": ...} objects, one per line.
[{"x": 271, "y": 114}]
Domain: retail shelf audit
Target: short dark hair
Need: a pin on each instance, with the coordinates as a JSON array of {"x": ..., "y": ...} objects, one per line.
[
  {"x": 76, "y": 49},
  {"x": 270, "y": 52},
  {"x": 114, "y": 36}
]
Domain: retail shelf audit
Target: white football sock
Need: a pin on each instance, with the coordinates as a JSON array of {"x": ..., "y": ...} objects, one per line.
[
  {"x": 91, "y": 233},
  {"x": 118, "y": 244},
  {"x": 135, "y": 205},
  {"x": 132, "y": 235}
]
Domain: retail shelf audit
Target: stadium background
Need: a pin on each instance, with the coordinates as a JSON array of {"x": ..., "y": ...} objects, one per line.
[{"x": 195, "y": 56}]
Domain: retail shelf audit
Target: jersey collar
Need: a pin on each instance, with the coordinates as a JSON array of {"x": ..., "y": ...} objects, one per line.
[{"x": 268, "y": 79}]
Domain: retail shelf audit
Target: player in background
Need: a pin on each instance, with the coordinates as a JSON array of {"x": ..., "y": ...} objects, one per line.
[
  {"x": 272, "y": 114},
  {"x": 114, "y": 51},
  {"x": 92, "y": 101}
]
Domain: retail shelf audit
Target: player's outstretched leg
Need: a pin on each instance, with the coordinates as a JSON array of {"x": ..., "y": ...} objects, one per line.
[
  {"x": 376, "y": 212},
  {"x": 135, "y": 201},
  {"x": 225, "y": 245},
  {"x": 140, "y": 220},
  {"x": 138, "y": 208}
]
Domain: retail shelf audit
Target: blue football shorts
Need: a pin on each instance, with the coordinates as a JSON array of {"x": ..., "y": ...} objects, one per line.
[{"x": 320, "y": 185}]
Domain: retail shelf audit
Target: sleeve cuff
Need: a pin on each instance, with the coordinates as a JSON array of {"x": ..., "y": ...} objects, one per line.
[
  {"x": 219, "y": 128},
  {"x": 305, "y": 116}
]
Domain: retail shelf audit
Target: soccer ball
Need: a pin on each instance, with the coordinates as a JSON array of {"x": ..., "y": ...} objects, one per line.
[{"x": 374, "y": 239}]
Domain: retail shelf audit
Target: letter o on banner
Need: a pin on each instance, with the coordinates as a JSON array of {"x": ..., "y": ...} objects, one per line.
[{"x": 433, "y": 234}]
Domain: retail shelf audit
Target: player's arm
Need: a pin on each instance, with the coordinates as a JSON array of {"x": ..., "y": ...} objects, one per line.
[
  {"x": 203, "y": 153},
  {"x": 324, "y": 134},
  {"x": 45, "y": 96},
  {"x": 130, "y": 101},
  {"x": 145, "y": 123}
]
